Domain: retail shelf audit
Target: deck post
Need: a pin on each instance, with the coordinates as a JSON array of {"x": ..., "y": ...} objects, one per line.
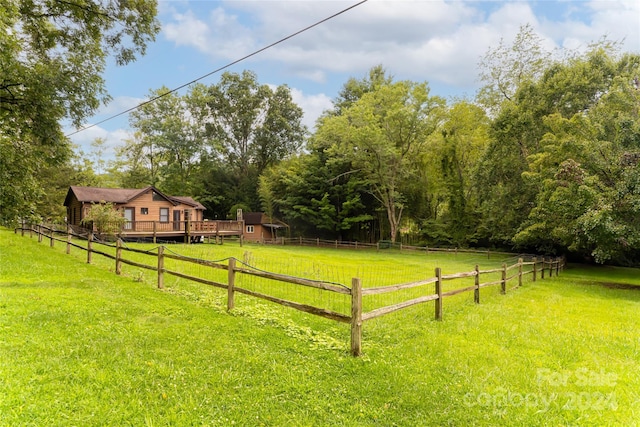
[{"x": 187, "y": 239}]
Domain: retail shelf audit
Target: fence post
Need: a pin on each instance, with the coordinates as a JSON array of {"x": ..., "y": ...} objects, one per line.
[
  {"x": 542, "y": 271},
  {"x": 68, "y": 239},
  {"x": 439, "y": 292},
  {"x": 40, "y": 233},
  {"x": 160, "y": 267},
  {"x": 89, "y": 247},
  {"x": 155, "y": 230},
  {"x": 535, "y": 268},
  {"x": 118, "y": 256},
  {"x": 550, "y": 267},
  {"x": 356, "y": 317},
  {"x": 51, "y": 241},
  {"x": 22, "y": 229},
  {"x": 557, "y": 266},
  {"x": 503, "y": 282},
  {"x": 231, "y": 284},
  {"x": 476, "y": 291},
  {"x": 520, "y": 271}
]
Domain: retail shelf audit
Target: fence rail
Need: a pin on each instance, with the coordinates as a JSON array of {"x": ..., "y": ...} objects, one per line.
[
  {"x": 381, "y": 245},
  {"x": 357, "y": 315}
]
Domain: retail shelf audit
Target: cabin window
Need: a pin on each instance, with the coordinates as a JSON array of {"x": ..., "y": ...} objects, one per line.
[
  {"x": 250, "y": 229},
  {"x": 164, "y": 214},
  {"x": 144, "y": 211}
]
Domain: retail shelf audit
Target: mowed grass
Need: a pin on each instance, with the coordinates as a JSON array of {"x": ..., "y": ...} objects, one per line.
[{"x": 82, "y": 346}]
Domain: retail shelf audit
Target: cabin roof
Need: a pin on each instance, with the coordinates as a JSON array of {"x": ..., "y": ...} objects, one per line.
[
  {"x": 260, "y": 218},
  {"x": 122, "y": 195}
]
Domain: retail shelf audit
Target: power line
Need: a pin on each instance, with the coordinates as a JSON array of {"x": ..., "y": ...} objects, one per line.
[{"x": 219, "y": 69}]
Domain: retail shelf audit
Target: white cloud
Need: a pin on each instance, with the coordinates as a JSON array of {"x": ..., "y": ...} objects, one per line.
[
  {"x": 424, "y": 40},
  {"x": 118, "y": 105},
  {"x": 312, "y": 105},
  {"x": 113, "y": 139},
  {"x": 187, "y": 30},
  {"x": 616, "y": 20},
  {"x": 437, "y": 40}
]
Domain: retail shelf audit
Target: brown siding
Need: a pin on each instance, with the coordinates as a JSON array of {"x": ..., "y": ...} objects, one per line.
[
  {"x": 74, "y": 212},
  {"x": 77, "y": 210},
  {"x": 145, "y": 200},
  {"x": 259, "y": 233}
]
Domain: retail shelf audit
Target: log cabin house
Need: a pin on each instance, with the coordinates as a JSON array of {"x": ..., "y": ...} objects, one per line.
[{"x": 148, "y": 213}]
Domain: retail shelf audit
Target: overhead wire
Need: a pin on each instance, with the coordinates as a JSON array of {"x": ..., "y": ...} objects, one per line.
[{"x": 217, "y": 70}]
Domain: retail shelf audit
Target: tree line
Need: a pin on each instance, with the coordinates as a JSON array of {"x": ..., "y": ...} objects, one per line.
[{"x": 545, "y": 158}]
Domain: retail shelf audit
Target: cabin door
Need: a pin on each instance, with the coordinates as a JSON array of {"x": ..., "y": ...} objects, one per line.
[
  {"x": 176, "y": 220},
  {"x": 128, "y": 218}
]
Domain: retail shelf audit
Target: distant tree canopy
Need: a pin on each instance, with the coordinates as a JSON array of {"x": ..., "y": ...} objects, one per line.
[
  {"x": 52, "y": 55},
  {"x": 546, "y": 159},
  {"x": 214, "y": 142}
]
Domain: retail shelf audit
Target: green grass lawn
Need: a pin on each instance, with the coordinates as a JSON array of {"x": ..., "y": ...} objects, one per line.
[{"x": 82, "y": 346}]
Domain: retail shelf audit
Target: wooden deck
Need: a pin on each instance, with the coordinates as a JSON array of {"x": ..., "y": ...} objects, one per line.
[{"x": 187, "y": 230}]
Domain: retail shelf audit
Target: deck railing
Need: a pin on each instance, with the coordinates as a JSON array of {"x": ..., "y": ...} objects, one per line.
[
  {"x": 182, "y": 226},
  {"x": 188, "y": 229}
]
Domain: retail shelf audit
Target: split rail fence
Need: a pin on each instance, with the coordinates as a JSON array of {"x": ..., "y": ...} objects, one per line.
[
  {"x": 343, "y": 244},
  {"x": 537, "y": 268}
]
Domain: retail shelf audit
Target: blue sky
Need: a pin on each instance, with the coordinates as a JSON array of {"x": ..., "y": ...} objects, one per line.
[{"x": 436, "y": 41}]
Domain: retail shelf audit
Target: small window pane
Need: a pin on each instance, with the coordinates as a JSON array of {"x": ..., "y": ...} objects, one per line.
[{"x": 164, "y": 214}]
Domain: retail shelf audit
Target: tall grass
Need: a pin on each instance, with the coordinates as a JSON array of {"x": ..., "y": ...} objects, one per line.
[{"x": 82, "y": 346}]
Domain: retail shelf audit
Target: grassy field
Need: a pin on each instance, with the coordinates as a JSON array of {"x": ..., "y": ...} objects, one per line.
[{"x": 82, "y": 346}]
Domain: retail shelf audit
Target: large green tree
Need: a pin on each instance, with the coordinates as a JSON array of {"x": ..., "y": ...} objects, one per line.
[
  {"x": 169, "y": 140},
  {"x": 52, "y": 55},
  {"x": 381, "y": 133},
  {"x": 250, "y": 126},
  {"x": 451, "y": 160},
  {"x": 589, "y": 159}
]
